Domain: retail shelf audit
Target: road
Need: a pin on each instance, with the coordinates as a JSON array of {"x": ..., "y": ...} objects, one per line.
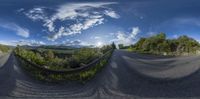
[{"x": 126, "y": 76}]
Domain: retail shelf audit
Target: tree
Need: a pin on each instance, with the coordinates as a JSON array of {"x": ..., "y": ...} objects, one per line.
[
  {"x": 120, "y": 46},
  {"x": 158, "y": 44},
  {"x": 49, "y": 54},
  {"x": 113, "y": 45}
]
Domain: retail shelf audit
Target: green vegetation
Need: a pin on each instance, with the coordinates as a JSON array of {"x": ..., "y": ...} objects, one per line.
[
  {"x": 81, "y": 76},
  {"x": 113, "y": 45},
  {"x": 38, "y": 64},
  {"x": 4, "y": 48},
  {"x": 48, "y": 59},
  {"x": 158, "y": 44},
  {"x": 121, "y": 46}
]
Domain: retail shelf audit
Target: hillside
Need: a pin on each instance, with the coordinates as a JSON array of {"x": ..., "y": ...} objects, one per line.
[
  {"x": 158, "y": 44},
  {"x": 4, "y": 48}
]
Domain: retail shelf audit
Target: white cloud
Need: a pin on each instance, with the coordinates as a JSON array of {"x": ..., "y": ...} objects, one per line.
[
  {"x": 7, "y": 43},
  {"x": 20, "y": 10},
  {"x": 135, "y": 31},
  {"x": 112, "y": 14},
  {"x": 97, "y": 37},
  {"x": 19, "y": 30},
  {"x": 70, "y": 43},
  {"x": 23, "y": 42},
  {"x": 126, "y": 38},
  {"x": 82, "y": 17},
  {"x": 76, "y": 43},
  {"x": 22, "y": 32},
  {"x": 70, "y": 11},
  {"x": 36, "y": 14},
  {"x": 28, "y": 42}
]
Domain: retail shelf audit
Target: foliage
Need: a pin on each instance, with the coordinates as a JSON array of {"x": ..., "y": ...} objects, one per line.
[
  {"x": 48, "y": 55},
  {"x": 4, "y": 48},
  {"x": 105, "y": 48},
  {"x": 48, "y": 59},
  {"x": 113, "y": 45},
  {"x": 54, "y": 77},
  {"x": 85, "y": 55},
  {"x": 121, "y": 46},
  {"x": 158, "y": 44}
]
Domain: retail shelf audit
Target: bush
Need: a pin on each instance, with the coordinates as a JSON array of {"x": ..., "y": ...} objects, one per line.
[
  {"x": 81, "y": 76},
  {"x": 49, "y": 60},
  {"x": 158, "y": 44},
  {"x": 4, "y": 48},
  {"x": 86, "y": 55}
]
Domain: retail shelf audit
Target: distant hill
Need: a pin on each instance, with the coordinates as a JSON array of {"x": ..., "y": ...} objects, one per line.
[
  {"x": 58, "y": 47},
  {"x": 158, "y": 44}
]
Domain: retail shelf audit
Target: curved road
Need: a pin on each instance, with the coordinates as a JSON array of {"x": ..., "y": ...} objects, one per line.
[{"x": 126, "y": 76}]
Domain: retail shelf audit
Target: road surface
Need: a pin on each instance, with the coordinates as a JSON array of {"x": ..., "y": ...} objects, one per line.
[{"x": 126, "y": 76}]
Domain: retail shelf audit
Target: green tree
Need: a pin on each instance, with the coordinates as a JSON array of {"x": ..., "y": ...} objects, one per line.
[
  {"x": 120, "y": 46},
  {"x": 113, "y": 45},
  {"x": 158, "y": 44},
  {"x": 49, "y": 54}
]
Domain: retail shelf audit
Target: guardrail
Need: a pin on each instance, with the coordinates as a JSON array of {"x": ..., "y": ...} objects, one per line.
[{"x": 69, "y": 71}]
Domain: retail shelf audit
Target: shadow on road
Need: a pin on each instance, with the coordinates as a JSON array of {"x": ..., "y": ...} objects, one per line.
[
  {"x": 128, "y": 82},
  {"x": 7, "y": 81}
]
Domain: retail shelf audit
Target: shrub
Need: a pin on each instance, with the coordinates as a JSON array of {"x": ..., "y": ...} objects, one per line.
[
  {"x": 158, "y": 44},
  {"x": 4, "y": 48}
]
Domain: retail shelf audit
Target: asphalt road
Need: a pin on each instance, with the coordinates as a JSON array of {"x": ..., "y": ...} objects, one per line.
[{"x": 126, "y": 76}]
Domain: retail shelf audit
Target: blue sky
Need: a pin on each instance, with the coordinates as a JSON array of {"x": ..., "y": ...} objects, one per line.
[{"x": 95, "y": 22}]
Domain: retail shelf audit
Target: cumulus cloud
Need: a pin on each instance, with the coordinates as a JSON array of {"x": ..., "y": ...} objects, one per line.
[
  {"x": 126, "y": 38},
  {"x": 135, "y": 31},
  {"x": 36, "y": 14},
  {"x": 18, "y": 29},
  {"x": 82, "y": 16},
  {"x": 75, "y": 43},
  {"x": 96, "y": 37},
  {"x": 23, "y": 42},
  {"x": 28, "y": 42},
  {"x": 70, "y": 43},
  {"x": 112, "y": 14},
  {"x": 7, "y": 43},
  {"x": 20, "y": 10}
]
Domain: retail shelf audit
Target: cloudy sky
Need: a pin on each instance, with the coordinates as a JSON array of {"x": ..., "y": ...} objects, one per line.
[{"x": 95, "y": 22}]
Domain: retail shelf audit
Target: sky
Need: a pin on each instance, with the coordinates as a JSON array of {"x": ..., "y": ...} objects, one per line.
[{"x": 95, "y": 22}]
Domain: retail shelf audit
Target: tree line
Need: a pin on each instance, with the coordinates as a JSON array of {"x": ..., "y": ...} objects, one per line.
[
  {"x": 159, "y": 44},
  {"x": 50, "y": 60}
]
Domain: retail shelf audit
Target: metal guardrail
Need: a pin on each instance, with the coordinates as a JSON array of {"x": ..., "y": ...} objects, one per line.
[{"x": 69, "y": 71}]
